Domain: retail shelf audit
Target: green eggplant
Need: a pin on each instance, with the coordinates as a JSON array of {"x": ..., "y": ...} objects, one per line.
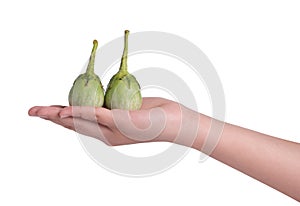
[
  {"x": 87, "y": 89},
  {"x": 123, "y": 90}
]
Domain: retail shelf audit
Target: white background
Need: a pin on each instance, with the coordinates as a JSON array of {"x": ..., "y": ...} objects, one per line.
[{"x": 254, "y": 46}]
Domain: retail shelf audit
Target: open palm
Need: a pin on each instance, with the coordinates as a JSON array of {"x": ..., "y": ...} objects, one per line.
[{"x": 157, "y": 120}]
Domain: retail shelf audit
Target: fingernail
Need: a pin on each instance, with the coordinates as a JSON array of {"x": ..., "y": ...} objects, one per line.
[{"x": 31, "y": 112}]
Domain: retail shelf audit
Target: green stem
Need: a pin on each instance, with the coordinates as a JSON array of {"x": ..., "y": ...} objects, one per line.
[
  {"x": 90, "y": 68},
  {"x": 123, "y": 66}
]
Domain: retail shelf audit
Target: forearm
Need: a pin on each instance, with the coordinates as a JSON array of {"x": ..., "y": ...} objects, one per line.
[{"x": 271, "y": 160}]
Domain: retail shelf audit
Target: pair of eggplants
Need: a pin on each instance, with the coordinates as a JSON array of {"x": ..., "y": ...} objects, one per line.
[{"x": 123, "y": 90}]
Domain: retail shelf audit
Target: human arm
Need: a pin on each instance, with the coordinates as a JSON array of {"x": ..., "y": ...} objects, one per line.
[{"x": 273, "y": 161}]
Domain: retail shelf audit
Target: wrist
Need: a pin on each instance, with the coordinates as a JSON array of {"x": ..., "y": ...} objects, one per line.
[
  {"x": 204, "y": 125},
  {"x": 190, "y": 130},
  {"x": 209, "y": 134}
]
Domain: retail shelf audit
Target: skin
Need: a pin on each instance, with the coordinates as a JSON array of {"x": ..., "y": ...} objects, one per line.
[{"x": 270, "y": 160}]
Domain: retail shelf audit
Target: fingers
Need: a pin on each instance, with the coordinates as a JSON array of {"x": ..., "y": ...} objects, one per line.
[
  {"x": 45, "y": 111},
  {"x": 99, "y": 114},
  {"x": 32, "y": 111},
  {"x": 80, "y": 125}
]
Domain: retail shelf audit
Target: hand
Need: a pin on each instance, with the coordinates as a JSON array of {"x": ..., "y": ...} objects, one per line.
[
  {"x": 158, "y": 120},
  {"x": 255, "y": 154}
]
